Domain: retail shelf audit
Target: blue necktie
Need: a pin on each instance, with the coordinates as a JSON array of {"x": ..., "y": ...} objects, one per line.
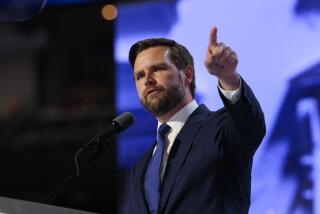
[{"x": 152, "y": 176}]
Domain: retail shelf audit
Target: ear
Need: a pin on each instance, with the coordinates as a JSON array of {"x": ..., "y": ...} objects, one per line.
[{"x": 188, "y": 74}]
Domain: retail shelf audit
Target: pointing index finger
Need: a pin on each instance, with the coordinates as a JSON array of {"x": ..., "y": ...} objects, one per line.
[{"x": 213, "y": 36}]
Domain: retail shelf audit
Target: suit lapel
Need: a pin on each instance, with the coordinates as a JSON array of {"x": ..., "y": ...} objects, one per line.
[{"x": 182, "y": 146}]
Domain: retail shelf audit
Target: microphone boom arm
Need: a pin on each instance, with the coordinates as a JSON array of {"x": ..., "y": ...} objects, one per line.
[{"x": 95, "y": 144}]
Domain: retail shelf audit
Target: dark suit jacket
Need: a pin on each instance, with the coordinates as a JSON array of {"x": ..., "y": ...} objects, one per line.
[{"x": 209, "y": 166}]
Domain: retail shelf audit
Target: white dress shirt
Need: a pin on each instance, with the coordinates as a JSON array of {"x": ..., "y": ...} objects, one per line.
[{"x": 177, "y": 121}]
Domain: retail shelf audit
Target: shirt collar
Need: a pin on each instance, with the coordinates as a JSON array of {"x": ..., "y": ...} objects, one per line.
[{"x": 177, "y": 121}]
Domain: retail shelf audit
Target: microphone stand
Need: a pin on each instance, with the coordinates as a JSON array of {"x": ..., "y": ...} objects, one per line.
[
  {"x": 98, "y": 149},
  {"x": 96, "y": 145}
]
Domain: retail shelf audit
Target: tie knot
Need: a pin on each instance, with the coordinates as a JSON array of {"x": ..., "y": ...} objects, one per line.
[{"x": 163, "y": 130}]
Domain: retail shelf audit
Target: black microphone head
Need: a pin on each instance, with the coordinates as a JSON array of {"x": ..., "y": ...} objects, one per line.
[{"x": 123, "y": 121}]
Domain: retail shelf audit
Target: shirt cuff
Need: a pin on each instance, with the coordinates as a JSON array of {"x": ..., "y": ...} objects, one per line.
[{"x": 233, "y": 96}]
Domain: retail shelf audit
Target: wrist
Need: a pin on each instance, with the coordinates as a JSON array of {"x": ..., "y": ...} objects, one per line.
[{"x": 230, "y": 83}]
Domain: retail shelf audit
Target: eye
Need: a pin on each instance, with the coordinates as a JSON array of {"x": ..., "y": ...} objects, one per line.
[{"x": 139, "y": 76}]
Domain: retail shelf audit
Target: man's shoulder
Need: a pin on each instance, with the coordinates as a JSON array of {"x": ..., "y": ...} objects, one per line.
[{"x": 203, "y": 109}]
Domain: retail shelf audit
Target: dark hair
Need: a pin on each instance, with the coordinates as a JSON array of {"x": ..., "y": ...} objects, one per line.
[{"x": 179, "y": 54}]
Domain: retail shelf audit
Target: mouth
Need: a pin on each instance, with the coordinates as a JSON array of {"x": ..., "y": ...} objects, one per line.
[{"x": 151, "y": 92}]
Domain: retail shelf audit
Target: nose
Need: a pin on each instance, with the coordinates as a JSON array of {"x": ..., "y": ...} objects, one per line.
[{"x": 149, "y": 80}]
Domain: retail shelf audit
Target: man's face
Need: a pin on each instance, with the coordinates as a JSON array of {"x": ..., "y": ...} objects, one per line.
[{"x": 160, "y": 85}]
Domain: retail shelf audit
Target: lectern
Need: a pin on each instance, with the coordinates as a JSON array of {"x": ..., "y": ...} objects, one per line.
[{"x": 14, "y": 206}]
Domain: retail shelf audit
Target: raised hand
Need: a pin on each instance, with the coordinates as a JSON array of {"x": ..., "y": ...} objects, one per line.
[{"x": 222, "y": 61}]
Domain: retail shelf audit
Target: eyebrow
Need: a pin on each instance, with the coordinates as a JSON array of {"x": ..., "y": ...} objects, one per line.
[{"x": 161, "y": 64}]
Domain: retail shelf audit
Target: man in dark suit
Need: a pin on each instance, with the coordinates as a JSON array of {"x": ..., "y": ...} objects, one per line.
[{"x": 201, "y": 162}]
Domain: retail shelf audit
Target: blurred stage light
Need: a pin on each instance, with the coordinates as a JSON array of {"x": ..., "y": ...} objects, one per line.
[{"x": 109, "y": 12}]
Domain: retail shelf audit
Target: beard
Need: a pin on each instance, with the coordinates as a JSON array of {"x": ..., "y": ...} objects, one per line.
[{"x": 164, "y": 100}]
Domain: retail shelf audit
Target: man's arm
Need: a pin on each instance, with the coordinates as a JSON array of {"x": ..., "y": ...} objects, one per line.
[{"x": 245, "y": 122}]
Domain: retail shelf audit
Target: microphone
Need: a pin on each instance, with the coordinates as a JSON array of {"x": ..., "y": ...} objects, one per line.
[{"x": 118, "y": 124}]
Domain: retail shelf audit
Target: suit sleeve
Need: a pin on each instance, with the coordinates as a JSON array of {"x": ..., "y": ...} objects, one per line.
[{"x": 244, "y": 126}]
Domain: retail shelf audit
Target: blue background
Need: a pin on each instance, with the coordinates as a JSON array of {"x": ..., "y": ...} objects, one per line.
[{"x": 278, "y": 47}]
